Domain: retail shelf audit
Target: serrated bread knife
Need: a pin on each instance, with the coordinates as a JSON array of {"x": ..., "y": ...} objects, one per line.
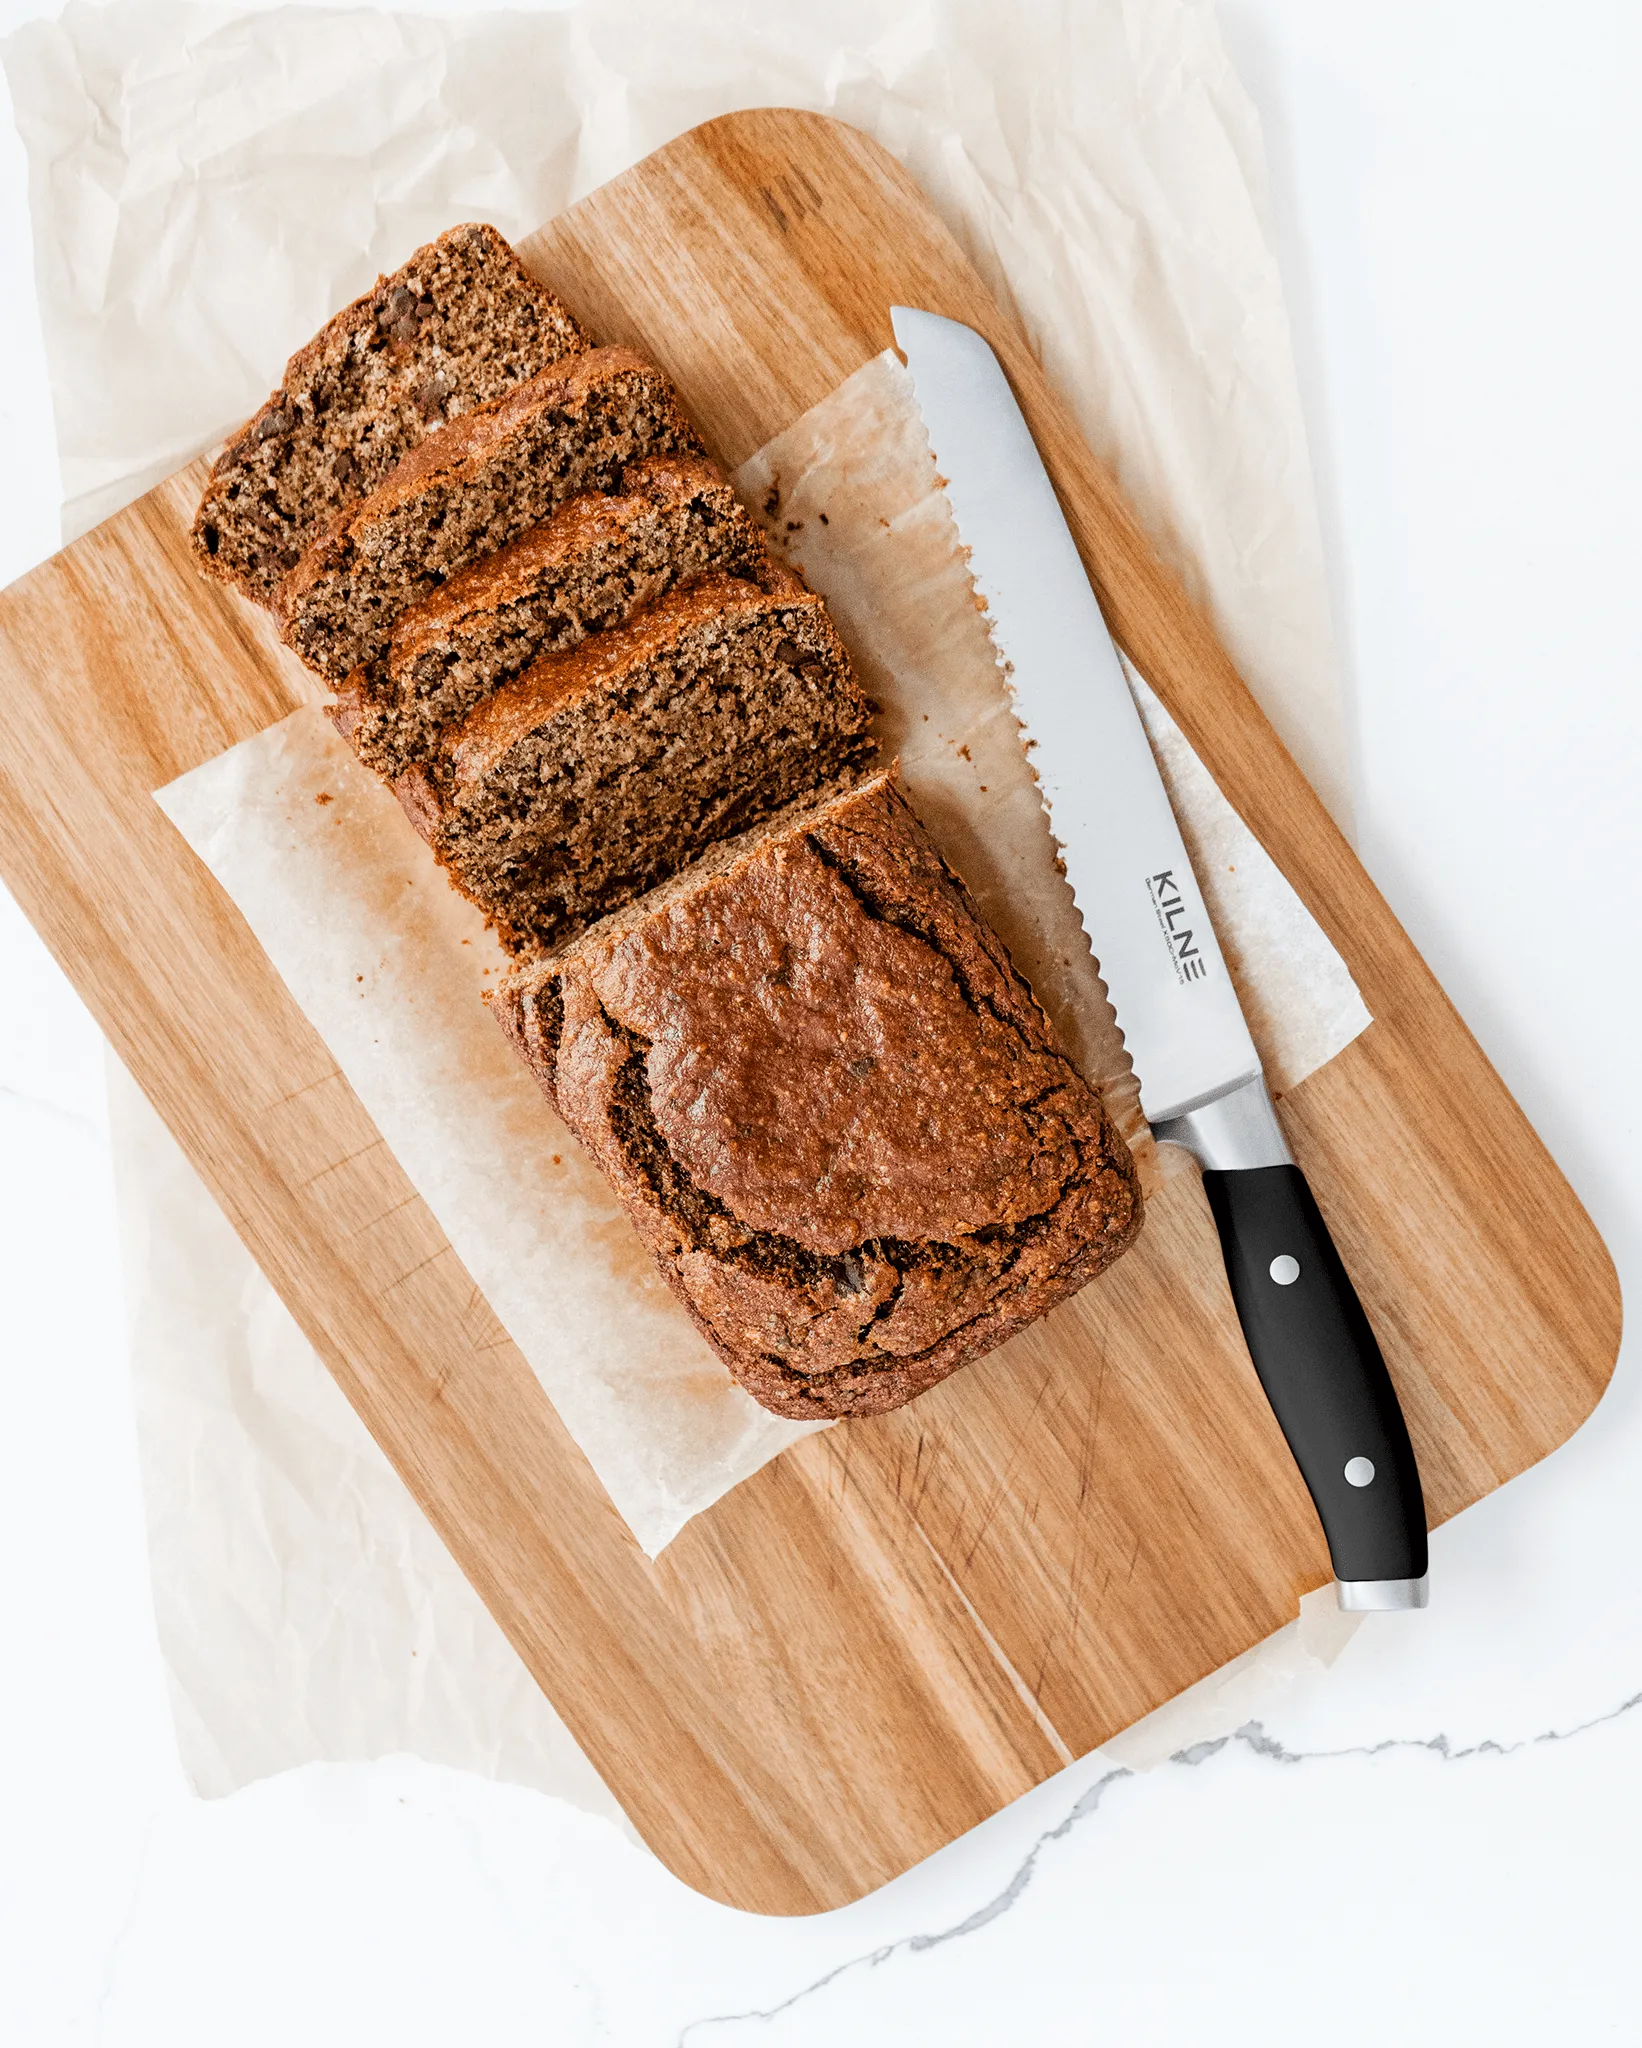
[{"x": 1200, "y": 1080}]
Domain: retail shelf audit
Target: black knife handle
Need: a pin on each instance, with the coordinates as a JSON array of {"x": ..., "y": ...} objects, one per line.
[{"x": 1322, "y": 1371}]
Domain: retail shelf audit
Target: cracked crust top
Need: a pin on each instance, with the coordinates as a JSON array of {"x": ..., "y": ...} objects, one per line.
[{"x": 833, "y": 1109}]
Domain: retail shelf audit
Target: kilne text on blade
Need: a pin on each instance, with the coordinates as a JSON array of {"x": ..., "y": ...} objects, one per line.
[{"x": 1170, "y": 906}]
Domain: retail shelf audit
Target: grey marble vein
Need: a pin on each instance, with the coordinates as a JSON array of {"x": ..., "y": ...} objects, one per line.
[
  {"x": 1252, "y": 1735},
  {"x": 22, "y": 1098},
  {"x": 913, "y": 1944}
]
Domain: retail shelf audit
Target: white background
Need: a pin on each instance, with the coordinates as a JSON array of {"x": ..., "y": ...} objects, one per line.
[{"x": 1436, "y": 1840}]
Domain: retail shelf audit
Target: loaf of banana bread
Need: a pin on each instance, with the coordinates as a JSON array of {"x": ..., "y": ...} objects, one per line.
[
  {"x": 458, "y": 325},
  {"x": 834, "y": 1112}
]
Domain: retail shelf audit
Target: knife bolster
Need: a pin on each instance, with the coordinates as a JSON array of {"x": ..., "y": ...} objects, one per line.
[{"x": 1231, "y": 1133}]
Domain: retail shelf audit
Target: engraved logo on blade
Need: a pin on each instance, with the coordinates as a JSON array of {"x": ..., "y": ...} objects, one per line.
[{"x": 1171, "y": 911}]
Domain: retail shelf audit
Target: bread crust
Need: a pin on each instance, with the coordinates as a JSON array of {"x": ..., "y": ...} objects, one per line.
[
  {"x": 603, "y": 659},
  {"x": 588, "y": 569},
  {"x": 602, "y": 769},
  {"x": 573, "y": 532},
  {"x": 470, "y": 490},
  {"x": 377, "y": 378}
]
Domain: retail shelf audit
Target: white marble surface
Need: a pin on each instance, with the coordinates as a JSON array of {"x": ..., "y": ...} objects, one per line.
[{"x": 1436, "y": 1839}]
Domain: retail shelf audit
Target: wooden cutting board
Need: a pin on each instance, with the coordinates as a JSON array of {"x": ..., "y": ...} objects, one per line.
[{"x": 902, "y": 1623}]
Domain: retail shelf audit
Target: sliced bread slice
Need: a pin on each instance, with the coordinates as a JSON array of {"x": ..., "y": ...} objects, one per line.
[
  {"x": 834, "y": 1112},
  {"x": 595, "y": 563},
  {"x": 599, "y": 771},
  {"x": 457, "y": 326},
  {"x": 470, "y": 490}
]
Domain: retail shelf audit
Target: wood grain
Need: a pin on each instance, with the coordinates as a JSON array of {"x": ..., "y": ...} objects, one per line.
[{"x": 903, "y": 1623}]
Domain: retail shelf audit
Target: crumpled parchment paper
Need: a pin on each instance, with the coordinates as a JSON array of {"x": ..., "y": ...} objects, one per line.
[{"x": 207, "y": 186}]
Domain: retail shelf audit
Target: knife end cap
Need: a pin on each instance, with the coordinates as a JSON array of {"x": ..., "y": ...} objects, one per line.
[{"x": 1382, "y": 1596}]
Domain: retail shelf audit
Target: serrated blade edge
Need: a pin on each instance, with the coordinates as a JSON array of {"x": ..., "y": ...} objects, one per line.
[{"x": 1108, "y": 809}]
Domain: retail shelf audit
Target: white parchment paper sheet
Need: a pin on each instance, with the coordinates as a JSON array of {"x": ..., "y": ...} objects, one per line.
[
  {"x": 388, "y": 962},
  {"x": 207, "y": 185}
]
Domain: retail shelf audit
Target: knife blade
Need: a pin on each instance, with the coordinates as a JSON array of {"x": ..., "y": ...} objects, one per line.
[{"x": 1201, "y": 1083}]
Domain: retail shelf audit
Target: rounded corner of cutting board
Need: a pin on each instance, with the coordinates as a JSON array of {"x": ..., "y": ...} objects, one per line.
[
  {"x": 761, "y": 124},
  {"x": 743, "y": 1885}
]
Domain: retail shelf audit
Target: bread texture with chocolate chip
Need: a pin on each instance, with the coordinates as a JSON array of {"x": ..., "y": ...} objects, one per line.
[
  {"x": 573, "y": 789},
  {"x": 457, "y": 326},
  {"x": 468, "y": 491},
  {"x": 832, "y": 1109},
  {"x": 595, "y": 563}
]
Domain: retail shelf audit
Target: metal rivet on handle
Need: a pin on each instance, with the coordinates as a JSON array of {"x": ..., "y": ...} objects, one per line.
[
  {"x": 1360, "y": 1472},
  {"x": 1285, "y": 1271}
]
